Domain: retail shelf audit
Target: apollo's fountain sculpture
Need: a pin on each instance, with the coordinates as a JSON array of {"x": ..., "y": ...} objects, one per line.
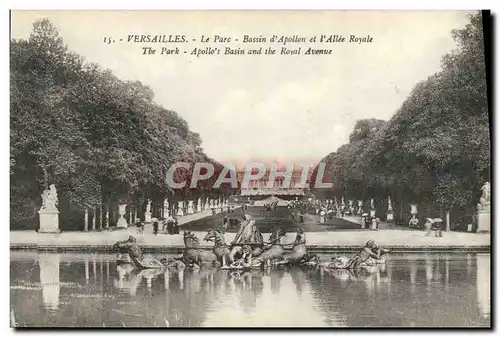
[{"x": 49, "y": 215}]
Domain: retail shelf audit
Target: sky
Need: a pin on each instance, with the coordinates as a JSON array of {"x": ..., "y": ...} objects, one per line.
[{"x": 280, "y": 108}]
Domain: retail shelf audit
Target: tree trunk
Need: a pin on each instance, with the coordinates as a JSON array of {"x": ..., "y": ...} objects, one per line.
[
  {"x": 448, "y": 225},
  {"x": 94, "y": 218},
  {"x": 103, "y": 212},
  {"x": 86, "y": 221}
]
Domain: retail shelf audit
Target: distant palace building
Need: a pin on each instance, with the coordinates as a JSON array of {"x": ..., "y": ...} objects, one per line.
[{"x": 259, "y": 188}]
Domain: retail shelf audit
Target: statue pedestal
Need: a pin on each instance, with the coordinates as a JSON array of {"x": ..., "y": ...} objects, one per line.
[
  {"x": 49, "y": 221},
  {"x": 390, "y": 217},
  {"x": 372, "y": 213},
  {"x": 483, "y": 221},
  {"x": 147, "y": 217},
  {"x": 122, "y": 223}
]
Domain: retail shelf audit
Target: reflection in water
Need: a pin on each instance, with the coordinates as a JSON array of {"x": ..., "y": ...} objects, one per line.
[
  {"x": 49, "y": 279},
  {"x": 413, "y": 275},
  {"x": 447, "y": 273},
  {"x": 94, "y": 268},
  {"x": 107, "y": 270},
  {"x": 166, "y": 279},
  {"x": 127, "y": 280},
  {"x": 86, "y": 271},
  {"x": 276, "y": 277},
  {"x": 483, "y": 283},
  {"x": 429, "y": 267},
  {"x": 469, "y": 264},
  {"x": 373, "y": 296},
  {"x": 181, "y": 278}
]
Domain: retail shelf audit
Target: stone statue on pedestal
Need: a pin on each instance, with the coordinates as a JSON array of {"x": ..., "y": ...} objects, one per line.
[
  {"x": 484, "y": 201},
  {"x": 390, "y": 212},
  {"x": 49, "y": 215},
  {"x": 371, "y": 204},
  {"x": 483, "y": 209},
  {"x": 147, "y": 214},
  {"x": 49, "y": 199}
]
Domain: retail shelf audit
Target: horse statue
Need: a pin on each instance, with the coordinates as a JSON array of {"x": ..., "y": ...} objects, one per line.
[
  {"x": 194, "y": 255},
  {"x": 221, "y": 249},
  {"x": 272, "y": 249}
]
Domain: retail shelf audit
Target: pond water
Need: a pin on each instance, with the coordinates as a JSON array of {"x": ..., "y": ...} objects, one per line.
[{"x": 90, "y": 290}]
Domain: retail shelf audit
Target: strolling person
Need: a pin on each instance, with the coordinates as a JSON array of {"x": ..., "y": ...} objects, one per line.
[
  {"x": 140, "y": 226},
  {"x": 367, "y": 222},
  {"x": 170, "y": 226},
  {"x": 375, "y": 223},
  {"x": 155, "y": 227},
  {"x": 428, "y": 226},
  {"x": 175, "y": 226},
  {"x": 438, "y": 227}
]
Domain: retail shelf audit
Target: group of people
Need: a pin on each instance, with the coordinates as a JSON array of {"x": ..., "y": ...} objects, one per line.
[
  {"x": 168, "y": 225},
  {"x": 272, "y": 206},
  {"x": 436, "y": 225},
  {"x": 298, "y": 216},
  {"x": 369, "y": 222},
  {"x": 332, "y": 211}
]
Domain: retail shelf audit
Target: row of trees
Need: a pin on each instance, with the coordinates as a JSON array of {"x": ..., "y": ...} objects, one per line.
[
  {"x": 102, "y": 141},
  {"x": 435, "y": 151}
]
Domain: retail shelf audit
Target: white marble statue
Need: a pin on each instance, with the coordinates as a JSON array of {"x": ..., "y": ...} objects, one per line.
[
  {"x": 485, "y": 197},
  {"x": 49, "y": 198},
  {"x": 148, "y": 207}
]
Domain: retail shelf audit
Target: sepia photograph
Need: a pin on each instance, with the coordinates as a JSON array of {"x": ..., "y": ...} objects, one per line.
[{"x": 250, "y": 169}]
